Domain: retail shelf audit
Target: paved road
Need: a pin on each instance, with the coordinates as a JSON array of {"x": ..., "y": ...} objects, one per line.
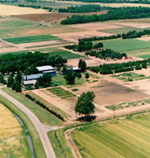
[{"x": 42, "y": 129}]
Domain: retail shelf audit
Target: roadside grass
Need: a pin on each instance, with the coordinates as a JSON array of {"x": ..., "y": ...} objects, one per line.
[
  {"x": 121, "y": 30},
  {"x": 125, "y": 45},
  {"x": 52, "y": 107},
  {"x": 61, "y": 139},
  {"x": 66, "y": 54},
  {"x": 12, "y": 130},
  {"x": 39, "y": 150},
  {"x": 45, "y": 117},
  {"x": 123, "y": 138},
  {"x": 30, "y": 39}
]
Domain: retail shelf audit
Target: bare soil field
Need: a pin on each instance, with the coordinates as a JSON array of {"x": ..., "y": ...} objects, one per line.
[
  {"x": 4, "y": 44},
  {"x": 98, "y": 26},
  {"x": 144, "y": 38},
  {"x": 6, "y": 10},
  {"x": 51, "y": 17},
  {"x": 74, "y": 36},
  {"x": 66, "y": 105},
  {"x": 12, "y": 142},
  {"x": 109, "y": 93},
  {"x": 46, "y": 30}
]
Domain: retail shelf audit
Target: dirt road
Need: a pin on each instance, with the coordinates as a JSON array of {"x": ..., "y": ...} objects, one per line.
[{"x": 42, "y": 129}]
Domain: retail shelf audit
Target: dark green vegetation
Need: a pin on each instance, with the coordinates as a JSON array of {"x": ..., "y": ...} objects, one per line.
[
  {"x": 120, "y": 67},
  {"x": 130, "y": 76},
  {"x": 124, "y": 138},
  {"x": 85, "y": 104},
  {"x": 82, "y": 9},
  {"x": 70, "y": 77},
  {"x": 60, "y": 92},
  {"x": 113, "y": 14},
  {"x": 20, "y": 62},
  {"x": 45, "y": 107},
  {"x": 103, "y": 54},
  {"x": 44, "y": 80},
  {"x": 30, "y": 39}
]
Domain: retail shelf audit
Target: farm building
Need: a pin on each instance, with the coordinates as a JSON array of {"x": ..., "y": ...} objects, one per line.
[
  {"x": 47, "y": 69},
  {"x": 31, "y": 77},
  {"x": 26, "y": 84}
]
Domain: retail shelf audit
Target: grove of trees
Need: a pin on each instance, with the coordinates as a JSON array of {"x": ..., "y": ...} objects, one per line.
[{"x": 113, "y": 14}]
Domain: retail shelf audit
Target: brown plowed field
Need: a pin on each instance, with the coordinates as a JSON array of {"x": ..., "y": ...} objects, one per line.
[{"x": 49, "y": 17}]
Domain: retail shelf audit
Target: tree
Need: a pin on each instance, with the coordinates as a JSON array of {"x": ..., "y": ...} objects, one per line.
[
  {"x": 85, "y": 104},
  {"x": 10, "y": 80},
  {"x": 36, "y": 85},
  {"x": 82, "y": 64},
  {"x": 87, "y": 75},
  {"x": 18, "y": 87},
  {"x": 45, "y": 80},
  {"x": 70, "y": 78}
]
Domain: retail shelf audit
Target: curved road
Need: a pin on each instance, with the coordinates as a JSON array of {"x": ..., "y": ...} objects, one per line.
[{"x": 41, "y": 128}]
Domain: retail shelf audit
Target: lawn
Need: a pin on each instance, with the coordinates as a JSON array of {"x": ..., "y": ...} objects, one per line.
[
  {"x": 12, "y": 138},
  {"x": 48, "y": 119},
  {"x": 121, "y": 30},
  {"x": 61, "y": 138},
  {"x": 125, "y": 138},
  {"x": 39, "y": 150},
  {"x": 125, "y": 45},
  {"x": 30, "y": 39},
  {"x": 66, "y": 54},
  {"x": 59, "y": 81}
]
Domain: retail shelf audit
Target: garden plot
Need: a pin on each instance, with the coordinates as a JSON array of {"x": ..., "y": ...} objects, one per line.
[
  {"x": 130, "y": 76},
  {"x": 60, "y": 92},
  {"x": 65, "y": 102}
]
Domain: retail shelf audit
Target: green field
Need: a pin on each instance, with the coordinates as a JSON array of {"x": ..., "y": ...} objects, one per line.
[
  {"x": 48, "y": 119},
  {"x": 125, "y": 45},
  {"x": 121, "y": 30},
  {"x": 66, "y": 54},
  {"x": 30, "y": 39},
  {"x": 59, "y": 80},
  {"x": 13, "y": 23},
  {"x": 128, "y": 138}
]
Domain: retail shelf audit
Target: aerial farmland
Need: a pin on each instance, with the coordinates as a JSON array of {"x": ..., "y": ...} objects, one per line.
[{"x": 74, "y": 79}]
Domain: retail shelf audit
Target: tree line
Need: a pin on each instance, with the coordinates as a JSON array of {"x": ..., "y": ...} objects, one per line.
[
  {"x": 113, "y": 14},
  {"x": 105, "y": 53},
  {"x": 113, "y": 1},
  {"x": 119, "y": 67},
  {"x": 27, "y": 62},
  {"x": 82, "y": 9}
]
